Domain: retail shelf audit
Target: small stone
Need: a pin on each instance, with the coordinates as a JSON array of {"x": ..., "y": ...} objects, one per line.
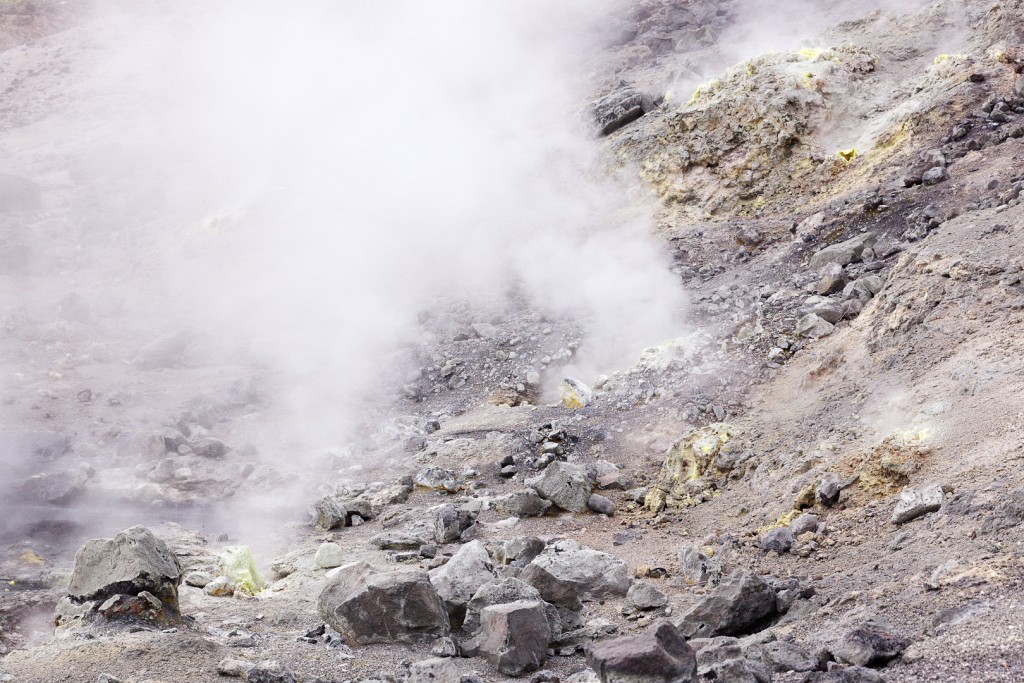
[
  {"x": 234, "y": 667},
  {"x": 644, "y": 596},
  {"x": 221, "y": 587},
  {"x": 778, "y": 540},
  {"x": 433, "y": 670},
  {"x": 813, "y": 327},
  {"x": 914, "y": 503},
  {"x": 450, "y": 522},
  {"x": 397, "y": 540},
  {"x": 869, "y": 645},
  {"x": 934, "y": 176},
  {"x": 198, "y": 579},
  {"x": 803, "y": 524},
  {"x": 601, "y": 504},
  {"x": 829, "y": 489},
  {"x": 458, "y": 580},
  {"x": 329, "y": 555},
  {"x": 525, "y": 503},
  {"x": 697, "y": 568},
  {"x": 270, "y": 671},
  {"x": 445, "y": 647},
  {"x": 564, "y": 484}
]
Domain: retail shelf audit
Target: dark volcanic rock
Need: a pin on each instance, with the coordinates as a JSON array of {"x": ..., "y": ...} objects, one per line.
[
  {"x": 375, "y": 607},
  {"x": 869, "y": 645},
  {"x": 740, "y": 604},
  {"x": 661, "y": 654},
  {"x": 617, "y": 109},
  {"x": 514, "y": 637},
  {"x": 450, "y": 521}
]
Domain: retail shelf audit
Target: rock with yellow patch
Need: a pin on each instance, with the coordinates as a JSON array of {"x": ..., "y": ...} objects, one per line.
[
  {"x": 692, "y": 471},
  {"x": 575, "y": 394}
]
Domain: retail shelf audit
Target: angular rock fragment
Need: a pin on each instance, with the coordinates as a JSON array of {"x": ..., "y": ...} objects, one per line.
[
  {"x": 782, "y": 656},
  {"x": 644, "y": 596},
  {"x": 742, "y": 603},
  {"x": 869, "y": 645},
  {"x": 843, "y": 253},
  {"x": 914, "y": 503},
  {"x": 270, "y": 671},
  {"x": 525, "y": 503},
  {"x": 437, "y": 479},
  {"x": 565, "y": 485},
  {"x": 55, "y": 488},
  {"x": 497, "y": 592},
  {"x": 851, "y": 674},
  {"x": 514, "y": 637},
  {"x": 458, "y": 580},
  {"x": 397, "y": 540},
  {"x": 813, "y": 327},
  {"x": 934, "y": 176},
  {"x": 367, "y": 607},
  {"x": 450, "y": 521},
  {"x": 601, "y": 505},
  {"x": 829, "y": 489},
  {"x": 328, "y": 514},
  {"x": 778, "y": 540},
  {"x": 434, "y": 670},
  {"x": 617, "y": 109},
  {"x": 697, "y": 568},
  {"x": 659, "y": 655},
  {"x": 586, "y": 573}
]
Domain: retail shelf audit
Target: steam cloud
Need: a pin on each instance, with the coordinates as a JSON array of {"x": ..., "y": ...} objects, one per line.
[{"x": 297, "y": 182}]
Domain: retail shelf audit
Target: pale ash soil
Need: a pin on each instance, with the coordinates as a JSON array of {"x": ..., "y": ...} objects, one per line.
[{"x": 937, "y": 353}]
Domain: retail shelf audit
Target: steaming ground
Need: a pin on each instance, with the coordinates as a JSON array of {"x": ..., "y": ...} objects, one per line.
[{"x": 250, "y": 255}]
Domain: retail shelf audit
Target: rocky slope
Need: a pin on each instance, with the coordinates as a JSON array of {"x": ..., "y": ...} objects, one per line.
[{"x": 819, "y": 481}]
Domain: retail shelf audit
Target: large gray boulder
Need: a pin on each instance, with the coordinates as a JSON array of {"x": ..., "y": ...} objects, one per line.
[
  {"x": 740, "y": 604},
  {"x": 135, "y": 575},
  {"x": 564, "y": 484},
  {"x": 367, "y": 607},
  {"x": 589, "y": 574},
  {"x": 660, "y": 655},
  {"x": 458, "y": 580},
  {"x": 514, "y": 637}
]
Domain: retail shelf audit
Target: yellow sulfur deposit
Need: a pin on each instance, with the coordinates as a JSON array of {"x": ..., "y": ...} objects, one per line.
[
  {"x": 240, "y": 567},
  {"x": 848, "y": 154},
  {"x": 30, "y": 557},
  {"x": 689, "y": 471}
]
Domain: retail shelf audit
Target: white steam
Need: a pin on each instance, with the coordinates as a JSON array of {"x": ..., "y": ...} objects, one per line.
[{"x": 307, "y": 177}]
